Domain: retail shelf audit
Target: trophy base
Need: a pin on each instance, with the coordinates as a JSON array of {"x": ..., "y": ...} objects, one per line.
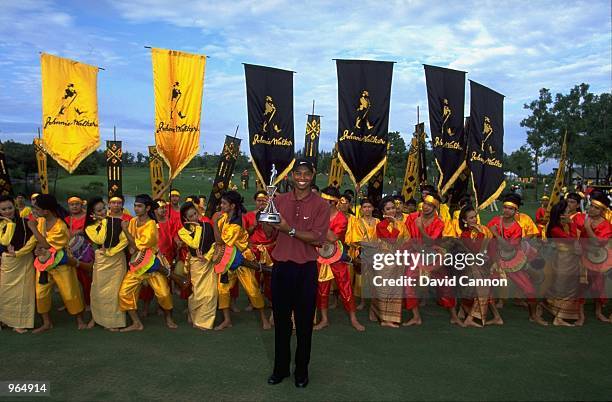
[{"x": 269, "y": 217}]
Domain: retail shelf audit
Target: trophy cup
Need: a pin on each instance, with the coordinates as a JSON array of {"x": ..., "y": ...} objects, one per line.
[{"x": 270, "y": 214}]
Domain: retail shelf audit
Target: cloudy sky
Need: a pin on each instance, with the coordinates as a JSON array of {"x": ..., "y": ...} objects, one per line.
[{"x": 514, "y": 47}]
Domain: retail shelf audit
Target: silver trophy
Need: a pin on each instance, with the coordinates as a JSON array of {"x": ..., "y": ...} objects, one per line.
[{"x": 270, "y": 214}]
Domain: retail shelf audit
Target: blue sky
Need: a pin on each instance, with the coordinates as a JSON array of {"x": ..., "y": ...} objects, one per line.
[{"x": 514, "y": 47}]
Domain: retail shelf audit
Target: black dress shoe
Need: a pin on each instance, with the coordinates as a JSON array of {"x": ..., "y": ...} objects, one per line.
[
  {"x": 276, "y": 379},
  {"x": 301, "y": 382}
]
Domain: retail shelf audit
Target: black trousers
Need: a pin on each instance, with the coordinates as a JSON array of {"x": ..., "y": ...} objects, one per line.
[{"x": 294, "y": 289}]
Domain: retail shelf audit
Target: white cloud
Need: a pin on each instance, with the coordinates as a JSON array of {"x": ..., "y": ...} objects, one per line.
[{"x": 514, "y": 47}]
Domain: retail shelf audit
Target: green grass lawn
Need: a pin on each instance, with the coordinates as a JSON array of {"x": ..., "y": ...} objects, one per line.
[
  {"x": 137, "y": 180},
  {"x": 437, "y": 361}
]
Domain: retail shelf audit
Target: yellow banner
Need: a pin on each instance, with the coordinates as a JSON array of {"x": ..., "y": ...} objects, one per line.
[
  {"x": 555, "y": 192},
  {"x": 70, "y": 110},
  {"x": 411, "y": 177},
  {"x": 178, "y": 81},
  {"x": 336, "y": 171}
]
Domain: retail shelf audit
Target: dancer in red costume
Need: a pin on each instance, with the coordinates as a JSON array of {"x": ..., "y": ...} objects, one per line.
[
  {"x": 167, "y": 229},
  {"x": 510, "y": 257},
  {"x": 76, "y": 219},
  {"x": 425, "y": 228},
  {"x": 174, "y": 209},
  {"x": 477, "y": 238},
  {"x": 386, "y": 306},
  {"x": 338, "y": 270},
  {"x": 562, "y": 297},
  {"x": 260, "y": 244},
  {"x": 541, "y": 215},
  {"x": 574, "y": 211},
  {"x": 76, "y": 225},
  {"x": 595, "y": 233}
]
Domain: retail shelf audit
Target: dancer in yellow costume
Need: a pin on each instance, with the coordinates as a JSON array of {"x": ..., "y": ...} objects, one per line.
[
  {"x": 229, "y": 224},
  {"x": 360, "y": 229},
  {"x": 109, "y": 266},
  {"x": 141, "y": 233},
  {"x": 17, "y": 297},
  {"x": 56, "y": 235},
  {"x": 530, "y": 229},
  {"x": 23, "y": 209},
  {"x": 200, "y": 237}
]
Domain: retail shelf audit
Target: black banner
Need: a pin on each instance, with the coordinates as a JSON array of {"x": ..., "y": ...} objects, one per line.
[
  {"x": 41, "y": 165},
  {"x": 486, "y": 143},
  {"x": 311, "y": 142},
  {"x": 5, "y": 179},
  {"x": 114, "y": 168},
  {"x": 270, "y": 109},
  {"x": 421, "y": 137},
  {"x": 375, "y": 186},
  {"x": 225, "y": 169},
  {"x": 459, "y": 189},
  {"x": 446, "y": 97},
  {"x": 156, "y": 171},
  {"x": 364, "y": 95}
]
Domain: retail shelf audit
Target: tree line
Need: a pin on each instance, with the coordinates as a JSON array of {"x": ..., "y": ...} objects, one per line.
[
  {"x": 584, "y": 116},
  {"x": 21, "y": 161}
]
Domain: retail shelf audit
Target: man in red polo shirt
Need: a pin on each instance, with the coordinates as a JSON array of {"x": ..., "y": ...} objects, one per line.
[{"x": 304, "y": 222}]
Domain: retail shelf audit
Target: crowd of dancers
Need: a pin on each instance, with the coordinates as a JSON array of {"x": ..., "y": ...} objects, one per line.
[{"x": 104, "y": 262}]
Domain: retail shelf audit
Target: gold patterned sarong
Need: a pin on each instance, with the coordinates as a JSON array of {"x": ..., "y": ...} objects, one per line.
[
  {"x": 386, "y": 300},
  {"x": 17, "y": 295},
  {"x": 108, "y": 273},
  {"x": 562, "y": 298},
  {"x": 203, "y": 300}
]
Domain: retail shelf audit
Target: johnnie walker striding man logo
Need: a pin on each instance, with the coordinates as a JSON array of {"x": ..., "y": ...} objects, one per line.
[
  {"x": 362, "y": 111},
  {"x": 487, "y": 131},
  {"x": 446, "y": 115},
  {"x": 269, "y": 117}
]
